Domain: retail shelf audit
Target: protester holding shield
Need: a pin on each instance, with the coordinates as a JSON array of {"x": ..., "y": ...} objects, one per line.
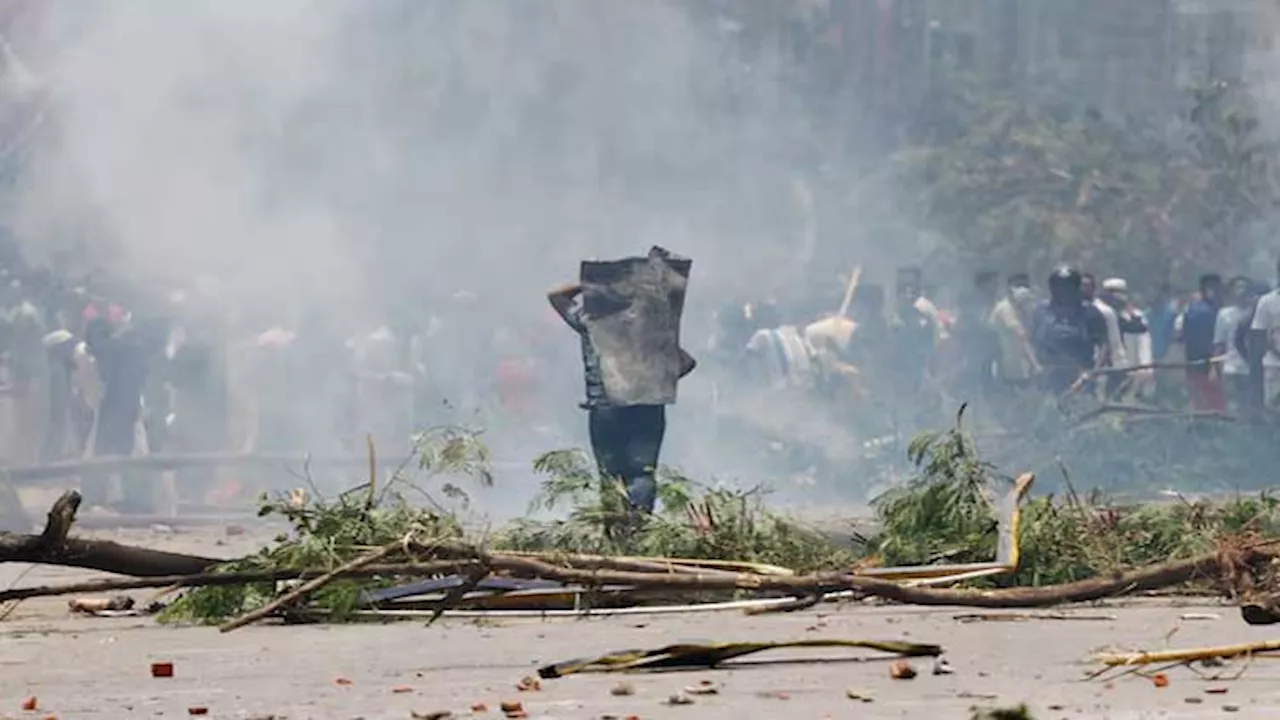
[{"x": 627, "y": 313}]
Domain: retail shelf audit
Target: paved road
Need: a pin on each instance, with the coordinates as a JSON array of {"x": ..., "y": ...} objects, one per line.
[{"x": 99, "y": 668}]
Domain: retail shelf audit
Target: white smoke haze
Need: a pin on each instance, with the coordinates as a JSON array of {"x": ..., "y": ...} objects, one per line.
[{"x": 362, "y": 157}]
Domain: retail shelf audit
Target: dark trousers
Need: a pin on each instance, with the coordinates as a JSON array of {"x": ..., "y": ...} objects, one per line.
[{"x": 626, "y": 442}]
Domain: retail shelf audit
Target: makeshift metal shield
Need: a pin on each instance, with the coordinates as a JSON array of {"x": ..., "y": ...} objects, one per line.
[{"x": 633, "y": 308}]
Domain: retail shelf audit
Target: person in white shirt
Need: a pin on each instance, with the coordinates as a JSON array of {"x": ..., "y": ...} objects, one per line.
[
  {"x": 1134, "y": 340},
  {"x": 1017, "y": 363},
  {"x": 1263, "y": 336},
  {"x": 778, "y": 352},
  {"x": 1234, "y": 367},
  {"x": 1115, "y": 344}
]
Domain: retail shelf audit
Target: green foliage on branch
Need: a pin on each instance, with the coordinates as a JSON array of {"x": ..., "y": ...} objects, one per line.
[
  {"x": 693, "y": 521},
  {"x": 324, "y": 533}
]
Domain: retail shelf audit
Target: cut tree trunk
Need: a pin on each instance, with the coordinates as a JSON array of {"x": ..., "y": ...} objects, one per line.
[{"x": 54, "y": 547}]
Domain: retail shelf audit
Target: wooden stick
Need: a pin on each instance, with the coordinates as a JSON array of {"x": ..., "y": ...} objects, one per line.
[
  {"x": 1181, "y": 656},
  {"x": 232, "y": 578},
  {"x": 854, "y": 278},
  {"x": 311, "y": 586}
]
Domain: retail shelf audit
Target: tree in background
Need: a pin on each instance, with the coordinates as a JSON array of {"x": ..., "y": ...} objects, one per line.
[{"x": 1013, "y": 183}]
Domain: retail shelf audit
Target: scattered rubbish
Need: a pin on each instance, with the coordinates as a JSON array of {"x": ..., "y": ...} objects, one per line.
[
  {"x": 197, "y": 711},
  {"x": 400, "y": 689},
  {"x": 437, "y": 715},
  {"x": 859, "y": 695},
  {"x": 30, "y": 704},
  {"x": 508, "y": 707},
  {"x": 706, "y": 687},
  {"x": 901, "y": 670},
  {"x": 1200, "y": 616},
  {"x": 479, "y": 707},
  {"x": 92, "y": 606},
  {"x": 1193, "y": 700},
  {"x": 622, "y": 690},
  {"x": 942, "y": 667},
  {"x": 679, "y": 699},
  {"x": 1160, "y": 680},
  {"x": 1230, "y": 708},
  {"x": 161, "y": 529},
  {"x": 774, "y": 694},
  {"x": 529, "y": 684},
  {"x": 1216, "y": 691},
  {"x": 967, "y": 695},
  {"x": 161, "y": 669},
  {"x": 710, "y": 656},
  {"x": 341, "y": 681}
]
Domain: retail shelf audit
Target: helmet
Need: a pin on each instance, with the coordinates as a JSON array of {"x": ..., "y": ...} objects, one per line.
[{"x": 1064, "y": 283}]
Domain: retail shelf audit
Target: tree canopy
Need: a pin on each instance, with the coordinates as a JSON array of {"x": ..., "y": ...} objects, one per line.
[{"x": 1018, "y": 183}]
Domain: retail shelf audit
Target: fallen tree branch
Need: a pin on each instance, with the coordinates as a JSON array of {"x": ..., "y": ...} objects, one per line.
[
  {"x": 54, "y": 547},
  {"x": 1132, "y": 581},
  {"x": 312, "y": 585},
  {"x": 234, "y": 578}
]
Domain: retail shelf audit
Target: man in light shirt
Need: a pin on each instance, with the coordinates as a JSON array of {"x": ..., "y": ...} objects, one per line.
[
  {"x": 1017, "y": 363},
  {"x": 1234, "y": 368},
  {"x": 1134, "y": 340},
  {"x": 1262, "y": 346}
]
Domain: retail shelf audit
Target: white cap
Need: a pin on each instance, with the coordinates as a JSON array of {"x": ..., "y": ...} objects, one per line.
[{"x": 1115, "y": 285}]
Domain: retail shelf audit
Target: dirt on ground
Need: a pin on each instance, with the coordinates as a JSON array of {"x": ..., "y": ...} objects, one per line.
[{"x": 86, "y": 667}]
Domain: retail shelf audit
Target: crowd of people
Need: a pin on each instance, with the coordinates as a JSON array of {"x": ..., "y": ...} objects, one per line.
[
  {"x": 1076, "y": 333},
  {"x": 93, "y": 366}
]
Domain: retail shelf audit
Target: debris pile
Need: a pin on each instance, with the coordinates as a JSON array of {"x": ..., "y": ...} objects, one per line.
[{"x": 424, "y": 574}]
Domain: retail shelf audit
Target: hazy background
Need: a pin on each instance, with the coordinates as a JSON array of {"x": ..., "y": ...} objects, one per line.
[
  {"x": 446, "y": 162},
  {"x": 431, "y": 158}
]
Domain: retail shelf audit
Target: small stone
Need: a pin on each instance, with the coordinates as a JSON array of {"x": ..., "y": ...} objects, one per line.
[
  {"x": 529, "y": 684},
  {"x": 1193, "y": 700},
  {"x": 622, "y": 689},
  {"x": 901, "y": 670},
  {"x": 859, "y": 695},
  {"x": 1230, "y": 708},
  {"x": 679, "y": 699}
]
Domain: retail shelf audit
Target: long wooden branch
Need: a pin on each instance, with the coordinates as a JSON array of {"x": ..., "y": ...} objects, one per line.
[
  {"x": 405, "y": 570},
  {"x": 1138, "y": 580}
]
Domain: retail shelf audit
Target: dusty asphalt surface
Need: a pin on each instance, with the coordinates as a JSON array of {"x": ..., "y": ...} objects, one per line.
[{"x": 82, "y": 667}]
